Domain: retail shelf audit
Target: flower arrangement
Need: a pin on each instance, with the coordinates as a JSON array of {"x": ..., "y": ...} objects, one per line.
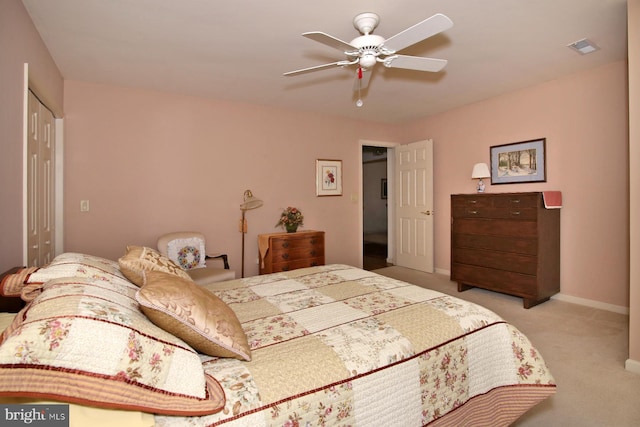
[{"x": 290, "y": 219}]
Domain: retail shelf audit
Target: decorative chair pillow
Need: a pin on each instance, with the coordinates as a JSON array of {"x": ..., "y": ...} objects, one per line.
[
  {"x": 140, "y": 259},
  {"x": 187, "y": 253},
  {"x": 194, "y": 314}
]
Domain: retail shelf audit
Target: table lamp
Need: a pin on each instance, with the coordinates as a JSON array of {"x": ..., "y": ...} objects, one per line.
[{"x": 480, "y": 170}]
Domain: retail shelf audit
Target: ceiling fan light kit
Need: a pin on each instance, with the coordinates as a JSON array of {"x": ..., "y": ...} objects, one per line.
[{"x": 368, "y": 49}]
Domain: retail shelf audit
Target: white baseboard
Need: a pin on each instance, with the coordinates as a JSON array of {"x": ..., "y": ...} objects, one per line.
[
  {"x": 574, "y": 300},
  {"x": 592, "y": 303},
  {"x": 632, "y": 366}
]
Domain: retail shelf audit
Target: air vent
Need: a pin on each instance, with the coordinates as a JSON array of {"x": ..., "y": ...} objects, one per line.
[{"x": 583, "y": 46}]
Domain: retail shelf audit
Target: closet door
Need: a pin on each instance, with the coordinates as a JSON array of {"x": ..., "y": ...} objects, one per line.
[{"x": 40, "y": 185}]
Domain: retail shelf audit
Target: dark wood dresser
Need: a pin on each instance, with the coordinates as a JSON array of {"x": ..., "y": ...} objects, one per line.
[
  {"x": 506, "y": 242},
  {"x": 288, "y": 251}
]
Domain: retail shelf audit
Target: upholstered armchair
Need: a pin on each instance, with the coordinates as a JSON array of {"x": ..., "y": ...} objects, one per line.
[{"x": 188, "y": 250}]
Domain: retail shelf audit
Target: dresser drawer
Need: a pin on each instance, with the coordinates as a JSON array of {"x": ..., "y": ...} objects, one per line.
[
  {"x": 279, "y": 244},
  {"x": 517, "y": 201},
  {"x": 520, "y": 245},
  {"x": 508, "y": 282},
  {"x": 494, "y": 227},
  {"x": 506, "y": 261},
  {"x": 297, "y": 252},
  {"x": 300, "y": 263},
  {"x": 500, "y": 207}
]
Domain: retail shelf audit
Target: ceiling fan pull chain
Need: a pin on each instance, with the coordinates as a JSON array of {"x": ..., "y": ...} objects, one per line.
[{"x": 359, "y": 102}]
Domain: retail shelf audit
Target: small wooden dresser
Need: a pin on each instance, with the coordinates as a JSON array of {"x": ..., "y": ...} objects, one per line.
[
  {"x": 288, "y": 251},
  {"x": 506, "y": 242}
]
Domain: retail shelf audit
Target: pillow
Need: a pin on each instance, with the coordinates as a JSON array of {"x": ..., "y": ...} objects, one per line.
[
  {"x": 194, "y": 314},
  {"x": 84, "y": 340},
  {"x": 71, "y": 264},
  {"x": 139, "y": 260},
  {"x": 187, "y": 253},
  {"x": 12, "y": 284}
]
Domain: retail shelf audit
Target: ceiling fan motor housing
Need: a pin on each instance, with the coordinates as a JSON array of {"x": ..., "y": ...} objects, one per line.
[{"x": 368, "y": 49}]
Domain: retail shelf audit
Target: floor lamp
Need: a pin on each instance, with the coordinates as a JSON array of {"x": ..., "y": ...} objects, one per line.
[{"x": 250, "y": 202}]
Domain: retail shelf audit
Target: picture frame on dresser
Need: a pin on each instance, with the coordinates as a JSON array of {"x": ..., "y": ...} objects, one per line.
[
  {"x": 328, "y": 177},
  {"x": 519, "y": 162}
]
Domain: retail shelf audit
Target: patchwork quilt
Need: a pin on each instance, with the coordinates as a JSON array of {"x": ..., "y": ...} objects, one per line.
[{"x": 339, "y": 346}]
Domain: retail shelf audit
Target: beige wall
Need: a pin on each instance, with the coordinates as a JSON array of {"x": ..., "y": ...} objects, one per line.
[
  {"x": 634, "y": 178},
  {"x": 584, "y": 119},
  {"x": 151, "y": 162},
  {"x": 19, "y": 43}
]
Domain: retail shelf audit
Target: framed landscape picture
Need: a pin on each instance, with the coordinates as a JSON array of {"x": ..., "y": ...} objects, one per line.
[{"x": 519, "y": 162}]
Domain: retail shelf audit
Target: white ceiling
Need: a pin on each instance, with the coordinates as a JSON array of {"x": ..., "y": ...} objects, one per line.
[{"x": 238, "y": 50}]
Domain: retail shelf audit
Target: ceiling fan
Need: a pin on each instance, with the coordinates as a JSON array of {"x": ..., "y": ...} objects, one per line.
[{"x": 366, "y": 50}]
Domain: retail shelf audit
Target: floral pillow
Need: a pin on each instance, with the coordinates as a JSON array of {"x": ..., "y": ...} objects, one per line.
[
  {"x": 139, "y": 260},
  {"x": 71, "y": 264},
  {"x": 84, "y": 340},
  {"x": 194, "y": 314},
  {"x": 187, "y": 253}
]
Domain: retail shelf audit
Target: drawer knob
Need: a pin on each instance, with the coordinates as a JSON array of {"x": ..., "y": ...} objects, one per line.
[
  {"x": 313, "y": 253},
  {"x": 515, "y": 213},
  {"x": 285, "y": 245},
  {"x": 285, "y": 256},
  {"x": 312, "y": 241}
]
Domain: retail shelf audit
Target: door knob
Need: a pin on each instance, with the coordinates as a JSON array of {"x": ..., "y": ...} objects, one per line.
[{"x": 427, "y": 212}]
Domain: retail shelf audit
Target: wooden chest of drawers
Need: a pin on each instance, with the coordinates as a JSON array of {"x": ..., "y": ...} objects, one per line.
[
  {"x": 288, "y": 251},
  {"x": 506, "y": 242}
]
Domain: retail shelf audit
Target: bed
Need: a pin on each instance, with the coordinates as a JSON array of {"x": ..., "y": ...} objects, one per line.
[{"x": 329, "y": 345}]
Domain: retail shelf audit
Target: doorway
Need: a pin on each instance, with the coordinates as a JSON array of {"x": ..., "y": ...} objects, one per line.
[{"x": 375, "y": 207}]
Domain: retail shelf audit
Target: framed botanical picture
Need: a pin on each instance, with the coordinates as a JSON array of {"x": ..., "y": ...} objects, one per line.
[
  {"x": 328, "y": 177},
  {"x": 519, "y": 162}
]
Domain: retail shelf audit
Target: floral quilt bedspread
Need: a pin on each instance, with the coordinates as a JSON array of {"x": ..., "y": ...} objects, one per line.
[{"x": 336, "y": 345}]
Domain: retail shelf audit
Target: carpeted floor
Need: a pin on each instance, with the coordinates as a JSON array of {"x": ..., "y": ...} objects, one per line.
[{"x": 585, "y": 349}]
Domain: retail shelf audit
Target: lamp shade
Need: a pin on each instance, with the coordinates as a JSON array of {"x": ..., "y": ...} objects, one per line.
[
  {"x": 480, "y": 170},
  {"x": 250, "y": 202}
]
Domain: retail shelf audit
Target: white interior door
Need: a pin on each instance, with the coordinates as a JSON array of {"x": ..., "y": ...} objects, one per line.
[
  {"x": 414, "y": 206},
  {"x": 40, "y": 183}
]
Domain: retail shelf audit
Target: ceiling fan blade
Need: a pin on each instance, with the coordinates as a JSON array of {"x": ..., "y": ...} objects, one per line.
[
  {"x": 319, "y": 67},
  {"x": 330, "y": 41},
  {"x": 362, "y": 83},
  {"x": 415, "y": 63},
  {"x": 421, "y": 31}
]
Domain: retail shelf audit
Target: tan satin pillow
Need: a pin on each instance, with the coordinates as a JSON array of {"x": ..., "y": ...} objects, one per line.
[
  {"x": 139, "y": 260},
  {"x": 193, "y": 314}
]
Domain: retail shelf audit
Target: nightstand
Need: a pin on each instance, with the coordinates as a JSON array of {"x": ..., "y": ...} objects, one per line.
[{"x": 289, "y": 251}]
